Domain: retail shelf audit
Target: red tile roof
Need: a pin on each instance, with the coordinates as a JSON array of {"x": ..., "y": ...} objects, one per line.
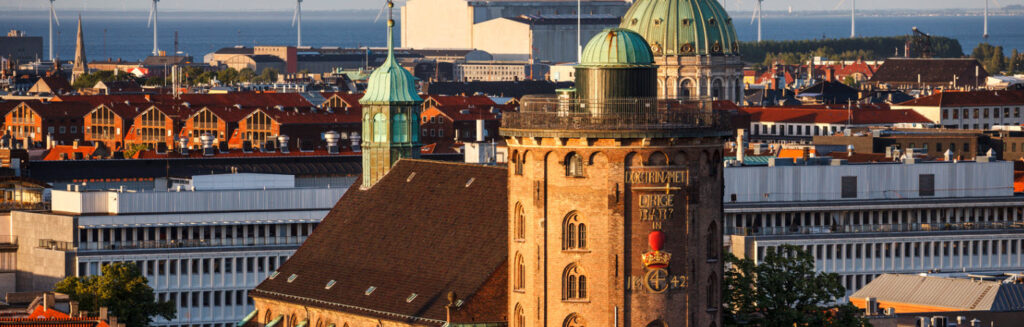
[
  {"x": 461, "y": 101},
  {"x": 969, "y": 99},
  {"x": 59, "y": 109},
  {"x": 832, "y": 116},
  {"x": 427, "y": 228},
  {"x": 69, "y": 150}
]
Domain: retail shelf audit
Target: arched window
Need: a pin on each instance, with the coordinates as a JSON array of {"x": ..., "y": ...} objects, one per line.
[
  {"x": 415, "y": 129},
  {"x": 574, "y": 320},
  {"x": 716, "y": 89},
  {"x": 739, "y": 91},
  {"x": 712, "y": 299},
  {"x": 519, "y": 275},
  {"x": 574, "y": 233},
  {"x": 520, "y": 222},
  {"x": 517, "y": 162},
  {"x": 684, "y": 89},
  {"x": 574, "y": 283},
  {"x": 398, "y": 132},
  {"x": 712, "y": 238},
  {"x": 574, "y": 165},
  {"x": 520, "y": 317},
  {"x": 266, "y": 317},
  {"x": 380, "y": 128}
]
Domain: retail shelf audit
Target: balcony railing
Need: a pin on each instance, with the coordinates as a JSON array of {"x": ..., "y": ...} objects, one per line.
[
  {"x": 879, "y": 228},
  {"x": 191, "y": 243},
  {"x": 613, "y": 114},
  {"x": 57, "y": 245}
]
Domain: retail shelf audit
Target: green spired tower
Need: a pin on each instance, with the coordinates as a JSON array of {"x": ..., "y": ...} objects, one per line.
[{"x": 391, "y": 114}]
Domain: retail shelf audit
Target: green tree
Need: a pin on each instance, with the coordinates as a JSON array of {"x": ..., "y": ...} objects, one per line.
[
  {"x": 784, "y": 290},
  {"x": 122, "y": 289},
  {"x": 228, "y": 76},
  {"x": 269, "y": 75},
  {"x": 246, "y": 75}
]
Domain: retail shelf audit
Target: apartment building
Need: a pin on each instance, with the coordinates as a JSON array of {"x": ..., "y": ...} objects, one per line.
[
  {"x": 202, "y": 243},
  {"x": 863, "y": 220},
  {"x": 969, "y": 110}
]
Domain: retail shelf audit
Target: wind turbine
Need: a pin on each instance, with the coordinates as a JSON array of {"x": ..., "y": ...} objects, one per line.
[
  {"x": 53, "y": 19},
  {"x": 297, "y": 20},
  {"x": 153, "y": 18},
  {"x": 757, "y": 16},
  {"x": 853, "y": 16}
]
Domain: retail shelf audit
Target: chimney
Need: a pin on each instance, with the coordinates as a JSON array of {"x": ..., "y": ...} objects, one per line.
[
  {"x": 870, "y": 306},
  {"x": 332, "y": 142},
  {"x": 975, "y": 323},
  {"x": 849, "y": 150},
  {"x": 830, "y": 74},
  {"x": 103, "y": 313},
  {"x": 948, "y": 155},
  {"x": 112, "y": 321},
  {"x": 48, "y": 301},
  {"x": 282, "y": 143},
  {"x": 806, "y": 153},
  {"x": 73, "y": 309},
  {"x": 741, "y": 146},
  {"x": 479, "y": 130}
]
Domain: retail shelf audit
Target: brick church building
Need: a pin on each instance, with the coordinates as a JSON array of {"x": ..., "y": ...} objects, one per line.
[{"x": 609, "y": 213}]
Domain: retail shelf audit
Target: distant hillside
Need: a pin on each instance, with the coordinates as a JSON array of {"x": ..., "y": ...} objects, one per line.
[{"x": 870, "y": 48}]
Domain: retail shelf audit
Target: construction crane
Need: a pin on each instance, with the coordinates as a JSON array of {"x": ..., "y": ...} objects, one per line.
[{"x": 919, "y": 44}]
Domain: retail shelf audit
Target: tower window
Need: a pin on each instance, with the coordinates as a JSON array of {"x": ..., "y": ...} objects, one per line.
[
  {"x": 519, "y": 160},
  {"x": 520, "y": 222},
  {"x": 380, "y": 128},
  {"x": 574, "y": 233},
  {"x": 574, "y": 165},
  {"x": 519, "y": 276},
  {"x": 399, "y": 134},
  {"x": 574, "y": 283},
  {"x": 520, "y": 318},
  {"x": 574, "y": 320},
  {"x": 712, "y": 238}
]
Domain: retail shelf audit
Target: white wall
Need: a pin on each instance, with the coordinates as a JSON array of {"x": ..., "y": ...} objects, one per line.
[
  {"x": 198, "y": 201},
  {"x": 874, "y": 181},
  {"x": 504, "y": 39}
]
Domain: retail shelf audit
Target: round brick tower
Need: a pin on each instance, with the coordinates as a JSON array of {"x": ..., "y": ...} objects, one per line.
[{"x": 615, "y": 199}]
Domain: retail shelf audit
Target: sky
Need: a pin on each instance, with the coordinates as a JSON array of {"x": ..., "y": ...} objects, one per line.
[{"x": 314, "y": 5}]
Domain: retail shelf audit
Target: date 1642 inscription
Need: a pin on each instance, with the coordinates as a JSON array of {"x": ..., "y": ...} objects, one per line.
[{"x": 656, "y": 281}]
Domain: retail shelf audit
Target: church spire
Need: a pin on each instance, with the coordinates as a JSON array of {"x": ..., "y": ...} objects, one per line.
[
  {"x": 391, "y": 115},
  {"x": 81, "y": 67}
]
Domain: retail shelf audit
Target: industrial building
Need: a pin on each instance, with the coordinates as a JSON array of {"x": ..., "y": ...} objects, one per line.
[
  {"x": 203, "y": 243},
  {"x": 20, "y": 48},
  {"x": 863, "y": 220}
]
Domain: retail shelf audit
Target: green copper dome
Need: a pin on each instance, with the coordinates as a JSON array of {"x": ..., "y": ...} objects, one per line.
[
  {"x": 617, "y": 47},
  {"x": 390, "y": 83},
  {"x": 683, "y": 27}
]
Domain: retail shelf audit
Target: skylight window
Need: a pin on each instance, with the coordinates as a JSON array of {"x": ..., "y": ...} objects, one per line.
[
  {"x": 410, "y": 298},
  {"x": 274, "y": 275},
  {"x": 330, "y": 284},
  {"x": 410, "y": 177},
  {"x": 370, "y": 290},
  {"x": 458, "y": 303},
  {"x": 470, "y": 182},
  {"x": 292, "y": 278}
]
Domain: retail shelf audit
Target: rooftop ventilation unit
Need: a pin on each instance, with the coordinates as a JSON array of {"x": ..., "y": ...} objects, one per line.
[
  {"x": 332, "y": 142},
  {"x": 282, "y": 143},
  {"x": 207, "y": 141},
  {"x": 183, "y": 146}
]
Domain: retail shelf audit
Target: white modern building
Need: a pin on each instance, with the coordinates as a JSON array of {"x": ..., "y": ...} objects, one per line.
[
  {"x": 499, "y": 71},
  {"x": 202, "y": 243},
  {"x": 551, "y": 38},
  {"x": 450, "y": 24},
  {"x": 863, "y": 220}
]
